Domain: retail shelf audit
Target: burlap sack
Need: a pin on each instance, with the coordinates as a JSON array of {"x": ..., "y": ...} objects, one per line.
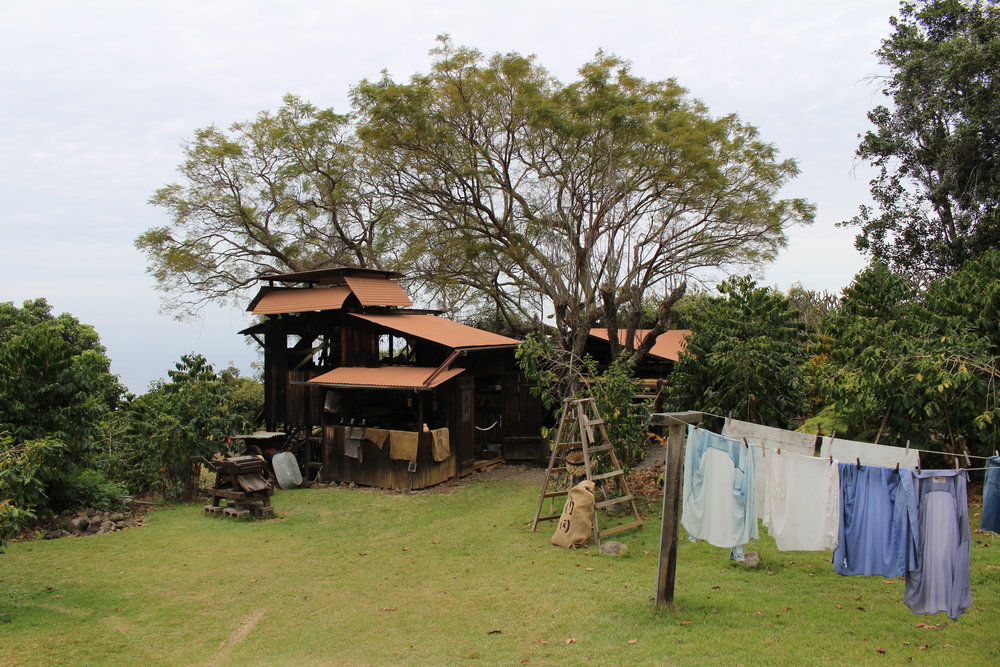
[{"x": 577, "y": 520}]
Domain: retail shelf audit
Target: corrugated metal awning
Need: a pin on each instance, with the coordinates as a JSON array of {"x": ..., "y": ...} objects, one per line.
[
  {"x": 377, "y": 291},
  {"x": 274, "y": 301},
  {"x": 668, "y": 345},
  {"x": 439, "y": 330},
  {"x": 385, "y": 377}
]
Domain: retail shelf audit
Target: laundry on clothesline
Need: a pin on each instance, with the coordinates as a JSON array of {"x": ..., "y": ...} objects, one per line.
[
  {"x": 802, "y": 503},
  {"x": 990, "y": 519},
  {"x": 719, "y": 499},
  {"x": 766, "y": 439},
  {"x": 770, "y": 437},
  {"x": 940, "y": 581},
  {"x": 878, "y": 521},
  {"x": 869, "y": 453}
]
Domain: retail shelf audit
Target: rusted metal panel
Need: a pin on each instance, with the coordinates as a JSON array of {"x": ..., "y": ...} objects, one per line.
[
  {"x": 386, "y": 377},
  {"x": 377, "y": 291},
  {"x": 439, "y": 330},
  {"x": 276, "y": 301},
  {"x": 668, "y": 345},
  {"x": 328, "y": 276}
]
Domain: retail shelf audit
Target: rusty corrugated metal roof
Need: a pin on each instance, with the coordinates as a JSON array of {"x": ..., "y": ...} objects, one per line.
[
  {"x": 377, "y": 291},
  {"x": 385, "y": 377},
  {"x": 273, "y": 301},
  {"x": 439, "y": 330},
  {"x": 331, "y": 274},
  {"x": 668, "y": 344}
]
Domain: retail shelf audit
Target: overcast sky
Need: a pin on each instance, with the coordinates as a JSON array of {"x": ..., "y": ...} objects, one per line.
[{"x": 99, "y": 95}]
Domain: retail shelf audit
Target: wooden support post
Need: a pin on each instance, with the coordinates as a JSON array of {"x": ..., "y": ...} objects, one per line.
[{"x": 677, "y": 423}]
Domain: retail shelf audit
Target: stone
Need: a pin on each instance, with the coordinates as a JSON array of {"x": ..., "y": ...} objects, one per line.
[
  {"x": 117, "y": 516},
  {"x": 750, "y": 559},
  {"x": 53, "y": 534},
  {"x": 80, "y": 524},
  {"x": 613, "y": 548}
]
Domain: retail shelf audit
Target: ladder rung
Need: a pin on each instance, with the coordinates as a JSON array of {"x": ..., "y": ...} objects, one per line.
[
  {"x": 593, "y": 422},
  {"x": 568, "y": 444},
  {"x": 613, "y": 473},
  {"x": 553, "y": 494},
  {"x": 613, "y": 501},
  {"x": 602, "y": 448},
  {"x": 618, "y": 529},
  {"x": 550, "y": 517}
]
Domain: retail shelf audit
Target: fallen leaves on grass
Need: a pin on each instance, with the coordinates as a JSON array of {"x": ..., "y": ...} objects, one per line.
[
  {"x": 542, "y": 641},
  {"x": 685, "y": 622},
  {"x": 928, "y": 626},
  {"x": 494, "y": 632},
  {"x": 388, "y": 609},
  {"x": 570, "y": 640},
  {"x": 633, "y": 641},
  {"x": 880, "y": 650}
]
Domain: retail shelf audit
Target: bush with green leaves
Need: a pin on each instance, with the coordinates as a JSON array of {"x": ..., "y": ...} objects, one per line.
[
  {"x": 55, "y": 387},
  {"x": 919, "y": 366},
  {"x": 153, "y": 444},
  {"x": 556, "y": 375},
  {"x": 744, "y": 358}
]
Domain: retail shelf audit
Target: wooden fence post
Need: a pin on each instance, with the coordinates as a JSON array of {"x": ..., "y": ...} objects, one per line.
[{"x": 677, "y": 423}]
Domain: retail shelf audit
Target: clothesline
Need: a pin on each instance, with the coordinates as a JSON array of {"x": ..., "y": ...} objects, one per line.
[{"x": 908, "y": 448}]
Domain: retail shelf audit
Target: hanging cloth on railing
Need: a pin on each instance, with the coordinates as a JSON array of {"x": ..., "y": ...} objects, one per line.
[{"x": 869, "y": 453}]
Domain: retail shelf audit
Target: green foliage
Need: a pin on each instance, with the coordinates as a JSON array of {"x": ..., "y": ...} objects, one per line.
[
  {"x": 55, "y": 388},
  {"x": 280, "y": 193},
  {"x": 937, "y": 195},
  {"x": 151, "y": 442},
  {"x": 556, "y": 375},
  {"x": 591, "y": 194},
  {"x": 917, "y": 366},
  {"x": 27, "y": 470},
  {"x": 744, "y": 358}
]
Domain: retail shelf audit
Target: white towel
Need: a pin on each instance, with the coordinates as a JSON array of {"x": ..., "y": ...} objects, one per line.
[{"x": 869, "y": 454}]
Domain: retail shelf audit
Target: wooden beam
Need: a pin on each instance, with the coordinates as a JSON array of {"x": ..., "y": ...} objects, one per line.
[{"x": 676, "y": 422}]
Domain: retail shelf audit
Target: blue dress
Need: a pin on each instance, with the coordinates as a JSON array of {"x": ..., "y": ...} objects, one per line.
[
  {"x": 941, "y": 581},
  {"x": 990, "y": 519},
  {"x": 878, "y": 521}
]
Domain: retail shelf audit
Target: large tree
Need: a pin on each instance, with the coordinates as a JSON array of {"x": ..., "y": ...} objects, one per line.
[
  {"x": 590, "y": 195},
  {"x": 284, "y": 192},
  {"x": 937, "y": 146}
]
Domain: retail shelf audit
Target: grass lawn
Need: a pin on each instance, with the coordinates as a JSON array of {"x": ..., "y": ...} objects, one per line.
[{"x": 352, "y": 577}]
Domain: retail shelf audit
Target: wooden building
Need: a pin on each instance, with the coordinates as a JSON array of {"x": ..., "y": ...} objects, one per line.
[{"x": 382, "y": 394}]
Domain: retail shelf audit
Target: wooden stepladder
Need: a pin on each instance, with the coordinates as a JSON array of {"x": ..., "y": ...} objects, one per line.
[{"x": 576, "y": 432}]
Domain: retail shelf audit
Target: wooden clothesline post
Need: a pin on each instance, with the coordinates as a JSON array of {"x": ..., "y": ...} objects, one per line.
[{"x": 677, "y": 423}]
